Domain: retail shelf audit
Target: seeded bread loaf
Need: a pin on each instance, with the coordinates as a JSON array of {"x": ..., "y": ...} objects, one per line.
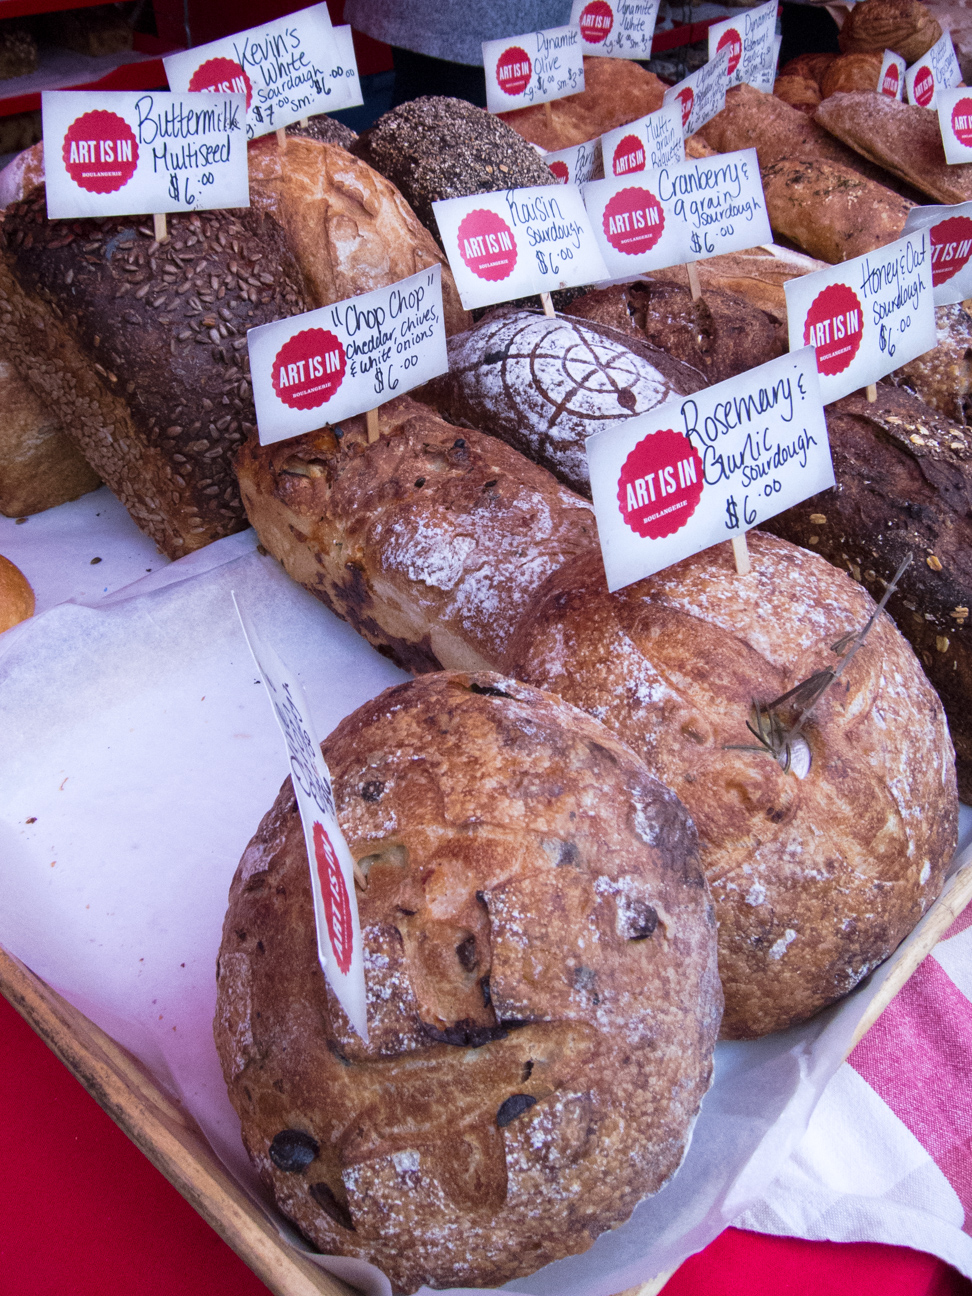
[
  {"x": 817, "y": 873},
  {"x": 140, "y": 350},
  {"x": 942, "y": 377},
  {"x": 430, "y": 542},
  {"x": 326, "y": 129},
  {"x": 543, "y": 995},
  {"x": 904, "y": 486},
  {"x": 545, "y": 384}
]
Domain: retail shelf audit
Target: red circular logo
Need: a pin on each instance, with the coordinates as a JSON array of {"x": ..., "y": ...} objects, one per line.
[
  {"x": 686, "y": 97},
  {"x": 337, "y": 905},
  {"x": 731, "y": 39},
  {"x": 923, "y": 86},
  {"x": 660, "y": 484},
  {"x": 100, "y": 151},
  {"x": 514, "y": 70},
  {"x": 487, "y": 245},
  {"x": 629, "y": 155},
  {"x": 596, "y": 21},
  {"x": 561, "y": 170},
  {"x": 633, "y": 221},
  {"x": 222, "y": 76},
  {"x": 892, "y": 78},
  {"x": 962, "y": 122},
  {"x": 835, "y": 326},
  {"x": 951, "y": 244},
  {"x": 308, "y": 368}
]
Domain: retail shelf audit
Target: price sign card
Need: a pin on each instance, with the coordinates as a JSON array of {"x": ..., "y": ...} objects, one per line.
[
  {"x": 120, "y": 153},
  {"x": 707, "y": 467},
  {"x": 702, "y": 208},
  {"x": 616, "y": 28},
  {"x": 950, "y": 232},
  {"x": 934, "y": 72},
  {"x": 866, "y": 316},
  {"x": 575, "y": 165},
  {"x": 703, "y": 94},
  {"x": 955, "y": 123},
  {"x": 518, "y": 241},
  {"x": 287, "y": 69},
  {"x": 339, "y": 945},
  {"x": 347, "y": 67},
  {"x": 891, "y": 80},
  {"x": 751, "y": 42},
  {"x": 344, "y": 359},
  {"x": 533, "y": 68},
  {"x": 648, "y": 144}
]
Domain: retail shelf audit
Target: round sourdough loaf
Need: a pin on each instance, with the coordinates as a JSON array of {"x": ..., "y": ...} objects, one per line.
[
  {"x": 543, "y": 997},
  {"x": 904, "y": 26},
  {"x": 815, "y": 879},
  {"x": 852, "y": 72}
]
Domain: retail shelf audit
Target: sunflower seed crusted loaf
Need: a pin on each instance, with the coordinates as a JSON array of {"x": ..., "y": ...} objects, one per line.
[
  {"x": 140, "y": 350},
  {"x": 543, "y": 996}
]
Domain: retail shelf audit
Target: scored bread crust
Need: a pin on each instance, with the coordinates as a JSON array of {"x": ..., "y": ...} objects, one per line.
[
  {"x": 815, "y": 880},
  {"x": 543, "y": 995},
  {"x": 349, "y": 228},
  {"x": 430, "y": 542}
]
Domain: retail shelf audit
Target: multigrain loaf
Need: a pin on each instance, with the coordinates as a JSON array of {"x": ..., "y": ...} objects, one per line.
[
  {"x": 942, "y": 377},
  {"x": 815, "y": 879},
  {"x": 542, "y": 987},
  {"x": 140, "y": 350},
  {"x": 904, "y": 486},
  {"x": 431, "y": 542}
]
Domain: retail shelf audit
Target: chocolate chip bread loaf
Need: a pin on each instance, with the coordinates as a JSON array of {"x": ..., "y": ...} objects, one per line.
[
  {"x": 543, "y": 996},
  {"x": 140, "y": 350}
]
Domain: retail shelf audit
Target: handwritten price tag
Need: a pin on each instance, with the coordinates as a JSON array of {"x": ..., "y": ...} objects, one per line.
[
  {"x": 708, "y": 467},
  {"x": 115, "y": 153},
  {"x": 934, "y": 72},
  {"x": 291, "y": 68},
  {"x": 950, "y": 233},
  {"x": 533, "y": 68},
  {"x": 616, "y": 28},
  {"x": 575, "y": 165},
  {"x": 516, "y": 242},
  {"x": 866, "y": 316},
  {"x": 342, "y": 360},
  {"x": 703, "y": 94},
  {"x": 701, "y": 208},
  {"x": 647, "y": 144},
  {"x": 751, "y": 42},
  {"x": 331, "y": 866}
]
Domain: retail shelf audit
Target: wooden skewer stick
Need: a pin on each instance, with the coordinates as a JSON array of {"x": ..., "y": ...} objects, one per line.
[
  {"x": 871, "y": 391},
  {"x": 547, "y": 304},
  {"x": 305, "y": 122},
  {"x": 740, "y": 551},
  {"x": 548, "y": 113},
  {"x": 161, "y": 232},
  {"x": 282, "y": 137},
  {"x": 693, "y": 277},
  {"x": 371, "y": 421}
]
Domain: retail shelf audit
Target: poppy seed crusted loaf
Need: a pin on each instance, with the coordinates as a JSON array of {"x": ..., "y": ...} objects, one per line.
[{"x": 542, "y": 989}]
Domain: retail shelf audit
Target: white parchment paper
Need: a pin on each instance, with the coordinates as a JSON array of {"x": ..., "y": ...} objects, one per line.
[{"x": 140, "y": 745}]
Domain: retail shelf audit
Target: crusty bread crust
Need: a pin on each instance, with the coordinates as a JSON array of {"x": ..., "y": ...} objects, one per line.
[
  {"x": 543, "y": 995},
  {"x": 905, "y": 26},
  {"x": 815, "y": 880},
  {"x": 431, "y": 542}
]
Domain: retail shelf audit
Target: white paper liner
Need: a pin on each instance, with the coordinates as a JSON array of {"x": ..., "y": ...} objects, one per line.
[{"x": 138, "y": 737}]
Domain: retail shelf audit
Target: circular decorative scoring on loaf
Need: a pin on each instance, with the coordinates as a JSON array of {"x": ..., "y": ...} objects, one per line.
[{"x": 543, "y": 995}]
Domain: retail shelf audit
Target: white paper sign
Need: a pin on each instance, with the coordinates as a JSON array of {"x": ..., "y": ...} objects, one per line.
[
  {"x": 751, "y": 42},
  {"x": 575, "y": 165},
  {"x": 123, "y": 153},
  {"x": 516, "y": 242},
  {"x": 533, "y": 68},
  {"x": 708, "y": 467},
  {"x": 934, "y": 72},
  {"x": 339, "y": 946},
  {"x": 866, "y": 316},
  {"x": 892, "y": 78},
  {"x": 647, "y": 144},
  {"x": 950, "y": 232},
  {"x": 346, "y": 66},
  {"x": 616, "y": 28},
  {"x": 288, "y": 69},
  {"x": 701, "y": 95},
  {"x": 344, "y": 359},
  {"x": 955, "y": 122},
  {"x": 703, "y": 207}
]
